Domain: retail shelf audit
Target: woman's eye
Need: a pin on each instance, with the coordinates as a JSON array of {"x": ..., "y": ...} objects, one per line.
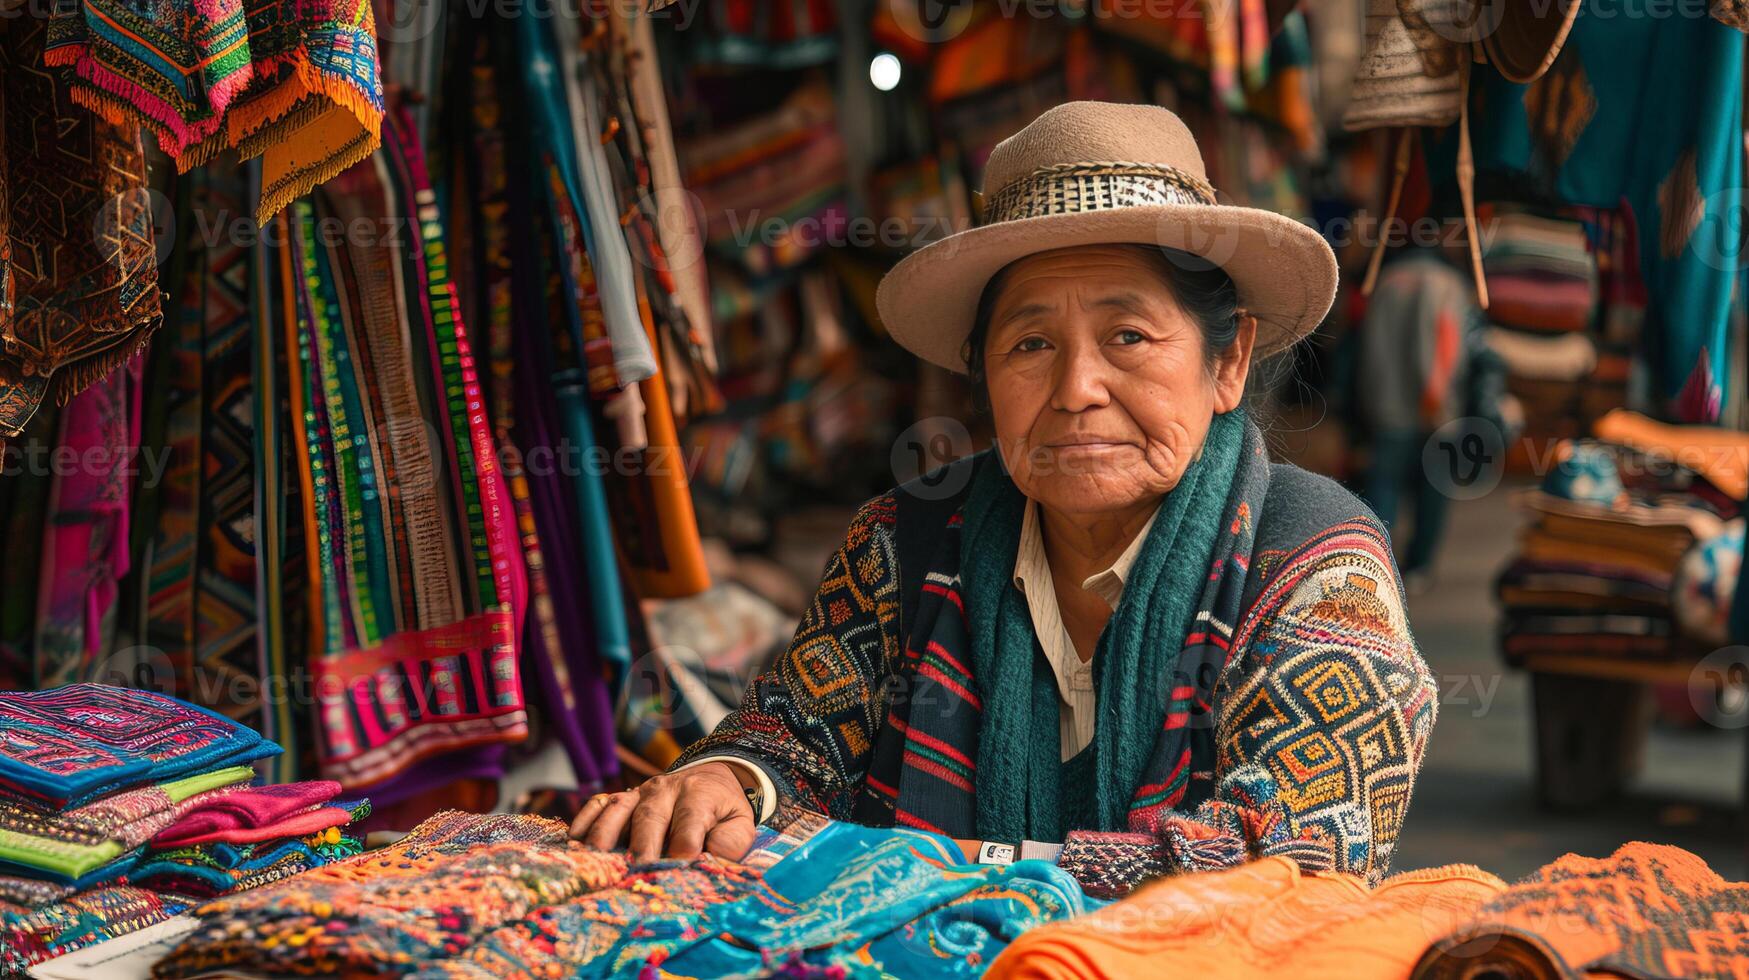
[
  {"x": 1128, "y": 337},
  {"x": 1030, "y": 344}
]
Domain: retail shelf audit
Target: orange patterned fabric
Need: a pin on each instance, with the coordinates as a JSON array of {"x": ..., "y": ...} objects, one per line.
[
  {"x": 1648, "y": 910},
  {"x": 1263, "y": 920}
]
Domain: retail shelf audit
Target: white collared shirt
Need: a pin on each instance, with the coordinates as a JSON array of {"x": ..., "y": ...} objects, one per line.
[{"x": 1032, "y": 576}]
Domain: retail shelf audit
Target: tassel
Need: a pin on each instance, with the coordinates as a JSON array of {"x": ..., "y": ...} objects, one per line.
[
  {"x": 1466, "y": 177},
  {"x": 1399, "y": 174}
]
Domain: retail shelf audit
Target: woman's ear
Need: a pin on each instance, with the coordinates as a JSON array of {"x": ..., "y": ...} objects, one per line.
[{"x": 1233, "y": 365}]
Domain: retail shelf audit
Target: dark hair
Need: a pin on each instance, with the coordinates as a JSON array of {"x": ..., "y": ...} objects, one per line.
[{"x": 1202, "y": 288}]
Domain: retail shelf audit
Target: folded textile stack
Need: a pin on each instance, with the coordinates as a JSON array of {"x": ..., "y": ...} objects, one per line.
[
  {"x": 1543, "y": 296},
  {"x": 1594, "y": 568},
  {"x": 1646, "y": 911},
  {"x": 120, "y": 808},
  {"x": 511, "y": 896}
]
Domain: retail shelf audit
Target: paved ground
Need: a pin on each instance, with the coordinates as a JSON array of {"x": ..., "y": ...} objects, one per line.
[{"x": 1475, "y": 800}]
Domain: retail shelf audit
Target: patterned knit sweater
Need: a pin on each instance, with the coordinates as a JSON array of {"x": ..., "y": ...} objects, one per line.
[{"x": 1305, "y": 739}]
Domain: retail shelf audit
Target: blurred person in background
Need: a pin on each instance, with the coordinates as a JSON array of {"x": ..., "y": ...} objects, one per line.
[{"x": 1426, "y": 392}]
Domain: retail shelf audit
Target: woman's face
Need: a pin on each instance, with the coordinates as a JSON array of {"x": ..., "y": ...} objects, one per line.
[{"x": 1099, "y": 386}]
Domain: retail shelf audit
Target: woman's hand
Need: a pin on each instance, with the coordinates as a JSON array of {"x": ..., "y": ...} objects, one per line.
[{"x": 702, "y": 808}]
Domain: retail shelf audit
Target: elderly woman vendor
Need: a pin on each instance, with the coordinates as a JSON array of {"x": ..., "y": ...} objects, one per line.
[{"x": 1125, "y": 629}]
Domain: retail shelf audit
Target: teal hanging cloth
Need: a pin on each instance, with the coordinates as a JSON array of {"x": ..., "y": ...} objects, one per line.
[{"x": 1646, "y": 111}]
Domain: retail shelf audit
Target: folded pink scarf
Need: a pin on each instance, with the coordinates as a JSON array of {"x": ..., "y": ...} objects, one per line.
[{"x": 257, "y": 812}]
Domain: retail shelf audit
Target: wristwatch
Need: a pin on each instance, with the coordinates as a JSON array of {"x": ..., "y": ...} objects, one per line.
[{"x": 755, "y": 799}]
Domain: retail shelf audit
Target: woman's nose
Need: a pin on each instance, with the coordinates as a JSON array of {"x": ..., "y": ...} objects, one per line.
[{"x": 1079, "y": 383}]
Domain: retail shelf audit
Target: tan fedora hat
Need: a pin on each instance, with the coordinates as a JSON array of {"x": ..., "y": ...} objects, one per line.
[{"x": 1099, "y": 173}]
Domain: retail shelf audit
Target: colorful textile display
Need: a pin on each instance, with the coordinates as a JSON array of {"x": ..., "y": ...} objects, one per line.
[
  {"x": 455, "y": 878},
  {"x": 296, "y": 84},
  {"x": 892, "y": 902},
  {"x": 209, "y": 872},
  {"x": 1719, "y": 455},
  {"x": 1541, "y": 275},
  {"x": 78, "y": 270},
  {"x": 1327, "y": 787},
  {"x": 310, "y": 820},
  {"x": 73, "y": 842},
  {"x": 1261, "y": 920},
  {"x": 29, "y": 936},
  {"x": 1705, "y": 586},
  {"x": 417, "y": 591},
  {"x": 69, "y": 745},
  {"x": 252, "y": 808},
  {"x": 620, "y": 931},
  {"x": 1611, "y": 123},
  {"x": 1646, "y": 911},
  {"x": 197, "y": 587},
  {"x": 85, "y": 542},
  {"x": 1594, "y": 571}
]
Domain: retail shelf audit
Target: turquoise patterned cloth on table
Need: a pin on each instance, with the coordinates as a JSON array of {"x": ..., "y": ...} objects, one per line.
[
  {"x": 1616, "y": 120},
  {"x": 873, "y": 902}
]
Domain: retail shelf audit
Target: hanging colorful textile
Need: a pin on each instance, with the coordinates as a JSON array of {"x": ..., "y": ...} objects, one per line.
[
  {"x": 417, "y": 586},
  {"x": 294, "y": 82},
  {"x": 1613, "y": 122},
  {"x": 199, "y": 581},
  {"x": 78, "y": 276},
  {"x": 85, "y": 548},
  {"x": 557, "y": 645},
  {"x": 657, "y": 530},
  {"x": 280, "y": 624}
]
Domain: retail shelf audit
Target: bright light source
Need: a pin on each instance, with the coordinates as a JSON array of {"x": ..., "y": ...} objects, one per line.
[{"x": 883, "y": 71}]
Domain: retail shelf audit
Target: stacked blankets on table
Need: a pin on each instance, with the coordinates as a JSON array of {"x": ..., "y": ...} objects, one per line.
[
  {"x": 1544, "y": 290},
  {"x": 120, "y": 808},
  {"x": 1595, "y": 566},
  {"x": 1646, "y": 911}
]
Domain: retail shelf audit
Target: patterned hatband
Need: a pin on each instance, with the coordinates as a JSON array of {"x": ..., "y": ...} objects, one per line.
[{"x": 1072, "y": 188}]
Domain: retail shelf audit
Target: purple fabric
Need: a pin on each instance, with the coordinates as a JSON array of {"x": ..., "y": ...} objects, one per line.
[
  {"x": 581, "y": 718},
  {"x": 475, "y": 762}
]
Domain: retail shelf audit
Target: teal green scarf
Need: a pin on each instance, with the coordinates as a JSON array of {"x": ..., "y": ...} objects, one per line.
[{"x": 1019, "y": 748}]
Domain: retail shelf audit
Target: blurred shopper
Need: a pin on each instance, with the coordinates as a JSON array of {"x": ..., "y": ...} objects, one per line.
[{"x": 1423, "y": 373}]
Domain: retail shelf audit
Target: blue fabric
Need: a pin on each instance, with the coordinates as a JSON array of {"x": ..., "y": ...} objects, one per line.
[
  {"x": 68, "y": 745},
  {"x": 860, "y": 897},
  {"x": 1666, "y": 90}
]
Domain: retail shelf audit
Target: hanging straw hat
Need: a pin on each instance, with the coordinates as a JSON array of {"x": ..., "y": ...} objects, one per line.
[
  {"x": 1410, "y": 66},
  {"x": 1098, "y": 173}
]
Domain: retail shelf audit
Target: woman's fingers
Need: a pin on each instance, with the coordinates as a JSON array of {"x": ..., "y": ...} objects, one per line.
[
  {"x": 591, "y": 809},
  {"x": 609, "y": 827},
  {"x": 650, "y": 820},
  {"x": 693, "y": 819},
  {"x": 732, "y": 838},
  {"x": 701, "y": 809}
]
